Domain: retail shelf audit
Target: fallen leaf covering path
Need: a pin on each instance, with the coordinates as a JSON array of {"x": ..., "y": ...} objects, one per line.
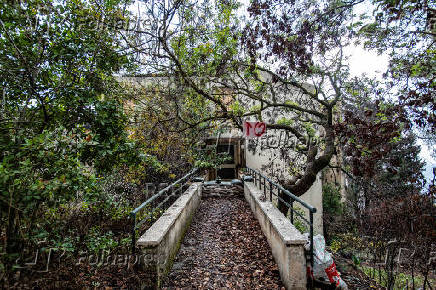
[{"x": 224, "y": 247}]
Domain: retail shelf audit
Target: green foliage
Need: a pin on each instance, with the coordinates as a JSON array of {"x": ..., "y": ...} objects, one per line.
[
  {"x": 285, "y": 121},
  {"x": 145, "y": 166},
  {"x": 402, "y": 31},
  {"x": 209, "y": 158},
  {"x": 114, "y": 207},
  {"x": 299, "y": 223},
  {"x": 310, "y": 130},
  {"x": 255, "y": 108},
  {"x": 27, "y": 180},
  {"x": 402, "y": 280},
  {"x": 291, "y": 103},
  {"x": 356, "y": 260},
  {"x": 62, "y": 123},
  {"x": 206, "y": 42},
  {"x": 66, "y": 243},
  {"x": 68, "y": 65},
  {"x": 331, "y": 199},
  {"x": 149, "y": 213},
  {"x": 98, "y": 241},
  {"x": 237, "y": 108},
  {"x": 109, "y": 144},
  {"x": 351, "y": 244},
  {"x": 335, "y": 246}
]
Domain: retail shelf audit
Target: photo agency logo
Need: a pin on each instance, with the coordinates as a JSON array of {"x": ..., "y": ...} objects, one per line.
[
  {"x": 47, "y": 259},
  {"x": 45, "y": 17},
  {"x": 268, "y": 140},
  {"x": 281, "y": 140}
]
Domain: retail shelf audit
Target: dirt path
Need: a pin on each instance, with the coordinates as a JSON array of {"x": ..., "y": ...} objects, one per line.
[{"x": 224, "y": 247}]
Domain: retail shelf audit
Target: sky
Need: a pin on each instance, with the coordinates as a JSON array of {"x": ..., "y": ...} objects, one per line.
[{"x": 366, "y": 62}]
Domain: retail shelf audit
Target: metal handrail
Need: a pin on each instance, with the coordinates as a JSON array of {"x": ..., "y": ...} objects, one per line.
[
  {"x": 133, "y": 214},
  {"x": 258, "y": 177}
]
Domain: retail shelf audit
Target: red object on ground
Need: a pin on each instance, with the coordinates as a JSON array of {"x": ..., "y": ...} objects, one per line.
[{"x": 333, "y": 274}]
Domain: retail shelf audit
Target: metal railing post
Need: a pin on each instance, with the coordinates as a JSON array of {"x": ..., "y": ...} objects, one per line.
[
  {"x": 292, "y": 211},
  {"x": 270, "y": 191},
  {"x": 311, "y": 239},
  {"x": 260, "y": 181},
  {"x": 264, "y": 187},
  {"x": 133, "y": 217},
  {"x": 153, "y": 202}
]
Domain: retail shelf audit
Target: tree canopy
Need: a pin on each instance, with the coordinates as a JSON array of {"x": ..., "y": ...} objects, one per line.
[{"x": 286, "y": 65}]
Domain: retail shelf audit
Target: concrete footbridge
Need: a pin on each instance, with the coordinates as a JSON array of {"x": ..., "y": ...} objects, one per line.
[{"x": 223, "y": 234}]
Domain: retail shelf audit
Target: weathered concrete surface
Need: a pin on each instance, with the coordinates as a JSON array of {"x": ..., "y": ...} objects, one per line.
[
  {"x": 161, "y": 242},
  {"x": 286, "y": 242}
]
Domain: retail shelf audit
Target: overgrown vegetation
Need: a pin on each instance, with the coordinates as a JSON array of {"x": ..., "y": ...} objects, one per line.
[
  {"x": 402, "y": 281},
  {"x": 331, "y": 199},
  {"x": 81, "y": 146},
  {"x": 72, "y": 164},
  {"x": 387, "y": 221}
]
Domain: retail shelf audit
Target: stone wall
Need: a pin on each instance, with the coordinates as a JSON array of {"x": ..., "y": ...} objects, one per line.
[{"x": 161, "y": 242}]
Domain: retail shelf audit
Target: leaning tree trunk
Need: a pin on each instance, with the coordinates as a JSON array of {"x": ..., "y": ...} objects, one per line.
[{"x": 313, "y": 167}]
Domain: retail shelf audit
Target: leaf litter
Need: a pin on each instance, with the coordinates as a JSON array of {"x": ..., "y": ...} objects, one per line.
[{"x": 224, "y": 247}]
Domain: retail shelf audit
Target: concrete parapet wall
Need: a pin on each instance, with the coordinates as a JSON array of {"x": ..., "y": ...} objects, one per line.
[
  {"x": 162, "y": 240},
  {"x": 286, "y": 242}
]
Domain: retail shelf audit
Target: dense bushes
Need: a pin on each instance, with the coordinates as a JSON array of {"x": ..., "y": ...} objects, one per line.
[
  {"x": 73, "y": 164},
  {"x": 63, "y": 135}
]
